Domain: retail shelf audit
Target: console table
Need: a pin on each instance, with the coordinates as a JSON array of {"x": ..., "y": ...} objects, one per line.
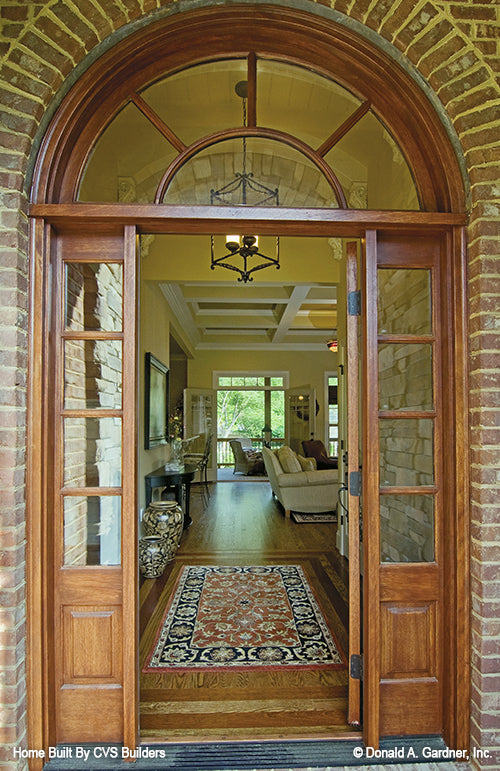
[{"x": 179, "y": 478}]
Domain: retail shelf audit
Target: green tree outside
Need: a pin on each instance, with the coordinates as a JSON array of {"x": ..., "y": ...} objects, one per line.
[{"x": 242, "y": 413}]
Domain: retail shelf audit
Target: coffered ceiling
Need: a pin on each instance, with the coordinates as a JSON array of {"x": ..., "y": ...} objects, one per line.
[
  {"x": 292, "y": 308},
  {"x": 272, "y": 316}
]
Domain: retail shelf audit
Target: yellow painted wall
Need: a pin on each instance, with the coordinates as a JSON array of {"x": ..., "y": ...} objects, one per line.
[{"x": 187, "y": 258}]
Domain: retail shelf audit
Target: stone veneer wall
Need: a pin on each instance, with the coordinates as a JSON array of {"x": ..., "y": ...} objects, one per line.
[{"x": 455, "y": 47}]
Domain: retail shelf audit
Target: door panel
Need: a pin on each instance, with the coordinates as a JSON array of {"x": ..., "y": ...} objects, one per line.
[
  {"x": 94, "y": 486},
  {"x": 97, "y": 628},
  {"x": 403, "y": 485}
]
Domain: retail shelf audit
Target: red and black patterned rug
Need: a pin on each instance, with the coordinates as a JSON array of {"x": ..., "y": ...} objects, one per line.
[{"x": 241, "y": 617}]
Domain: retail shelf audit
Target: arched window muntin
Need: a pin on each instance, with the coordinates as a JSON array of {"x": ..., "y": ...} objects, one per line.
[
  {"x": 173, "y": 44},
  {"x": 328, "y": 137},
  {"x": 240, "y": 133}
]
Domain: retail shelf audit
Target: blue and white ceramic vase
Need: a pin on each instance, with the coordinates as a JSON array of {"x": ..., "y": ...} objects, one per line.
[{"x": 166, "y": 519}]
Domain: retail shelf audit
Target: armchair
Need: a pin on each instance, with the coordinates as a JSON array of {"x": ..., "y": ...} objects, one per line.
[
  {"x": 246, "y": 461},
  {"x": 314, "y": 448}
]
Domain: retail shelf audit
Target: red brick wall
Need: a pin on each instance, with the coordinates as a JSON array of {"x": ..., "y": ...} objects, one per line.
[{"x": 455, "y": 46}]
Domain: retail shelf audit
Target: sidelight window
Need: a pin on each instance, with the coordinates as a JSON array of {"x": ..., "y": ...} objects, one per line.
[{"x": 406, "y": 357}]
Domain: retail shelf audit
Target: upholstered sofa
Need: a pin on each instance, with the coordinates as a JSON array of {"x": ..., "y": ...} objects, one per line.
[{"x": 297, "y": 484}]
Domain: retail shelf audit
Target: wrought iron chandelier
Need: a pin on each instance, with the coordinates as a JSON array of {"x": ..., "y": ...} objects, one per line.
[{"x": 244, "y": 184}]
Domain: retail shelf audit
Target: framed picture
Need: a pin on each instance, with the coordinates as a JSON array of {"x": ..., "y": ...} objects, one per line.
[{"x": 156, "y": 398}]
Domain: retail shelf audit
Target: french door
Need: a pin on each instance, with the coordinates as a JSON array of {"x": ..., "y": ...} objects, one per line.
[
  {"x": 200, "y": 420},
  {"x": 86, "y": 516},
  {"x": 354, "y": 465},
  {"x": 90, "y": 566},
  {"x": 300, "y": 416},
  {"x": 404, "y": 442}
]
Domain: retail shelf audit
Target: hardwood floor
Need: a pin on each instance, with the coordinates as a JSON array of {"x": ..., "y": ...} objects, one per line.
[{"x": 243, "y": 525}]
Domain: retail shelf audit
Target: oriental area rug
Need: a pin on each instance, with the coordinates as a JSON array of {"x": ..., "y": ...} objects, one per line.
[{"x": 241, "y": 617}]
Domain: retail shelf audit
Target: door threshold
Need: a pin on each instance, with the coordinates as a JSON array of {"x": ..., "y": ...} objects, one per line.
[
  {"x": 275, "y": 736},
  {"x": 252, "y": 755}
]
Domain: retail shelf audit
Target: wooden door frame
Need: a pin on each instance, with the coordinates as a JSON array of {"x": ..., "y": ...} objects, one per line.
[
  {"x": 331, "y": 223},
  {"x": 112, "y": 81}
]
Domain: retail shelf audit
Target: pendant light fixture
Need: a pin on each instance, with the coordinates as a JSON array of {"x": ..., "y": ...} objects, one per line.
[{"x": 244, "y": 248}]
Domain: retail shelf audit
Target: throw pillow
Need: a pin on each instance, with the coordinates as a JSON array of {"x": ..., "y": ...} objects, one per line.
[
  {"x": 288, "y": 460},
  {"x": 307, "y": 464}
]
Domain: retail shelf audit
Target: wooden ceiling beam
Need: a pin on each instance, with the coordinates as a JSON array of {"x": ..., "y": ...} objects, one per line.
[{"x": 290, "y": 312}]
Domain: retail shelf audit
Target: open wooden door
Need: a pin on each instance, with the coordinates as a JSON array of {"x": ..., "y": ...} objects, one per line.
[
  {"x": 353, "y": 483},
  {"x": 404, "y": 506},
  {"x": 92, "y": 516},
  {"x": 300, "y": 416}
]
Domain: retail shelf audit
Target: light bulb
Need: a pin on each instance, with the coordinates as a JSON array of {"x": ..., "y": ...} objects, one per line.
[{"x": 232, "y": 243}]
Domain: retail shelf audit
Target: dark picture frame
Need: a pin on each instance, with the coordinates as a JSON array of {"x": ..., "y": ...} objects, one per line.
[{"x": 156, "y": 402}]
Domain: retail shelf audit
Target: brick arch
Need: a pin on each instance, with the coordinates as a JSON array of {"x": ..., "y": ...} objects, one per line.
[
  {"x": 336, "y": 50},
  {"x": 454, "y": 46}
]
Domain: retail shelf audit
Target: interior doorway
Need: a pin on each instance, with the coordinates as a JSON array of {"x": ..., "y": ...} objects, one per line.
[{"x": 246, "y": 526}]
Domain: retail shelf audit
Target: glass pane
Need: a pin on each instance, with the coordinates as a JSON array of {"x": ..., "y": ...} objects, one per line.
[
  {"x": 300, "y": 102},
  {"x": 92, "y": 530},
  {"x": 128, "y": 161},
  {"x": 406, "y": 528},
  {"x": 406, "y": 452},
  {"x": 92, "y": 452},
  {"x": 333, "y": 448},
  {"x": 371, "y": 168},
  {"x": 277, "y": 382},
  {"x": 240, "y": 413},
  {"x": 298, "y": 404},
  {"x": 273, "y": 166},
  {"x": 404, "y": 301},
  {"x": 92, "y": 374},
  {"x": 405, "y": 377},
  {"x": 198, "y": 420},
  {"x": 93, "y": 296},
  {"x": 199, "y": 100},
  {"x": 278, "y": 413}
]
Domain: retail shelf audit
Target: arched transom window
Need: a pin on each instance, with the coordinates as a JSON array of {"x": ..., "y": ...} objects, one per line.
[{"x": 249, "y": 131}]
